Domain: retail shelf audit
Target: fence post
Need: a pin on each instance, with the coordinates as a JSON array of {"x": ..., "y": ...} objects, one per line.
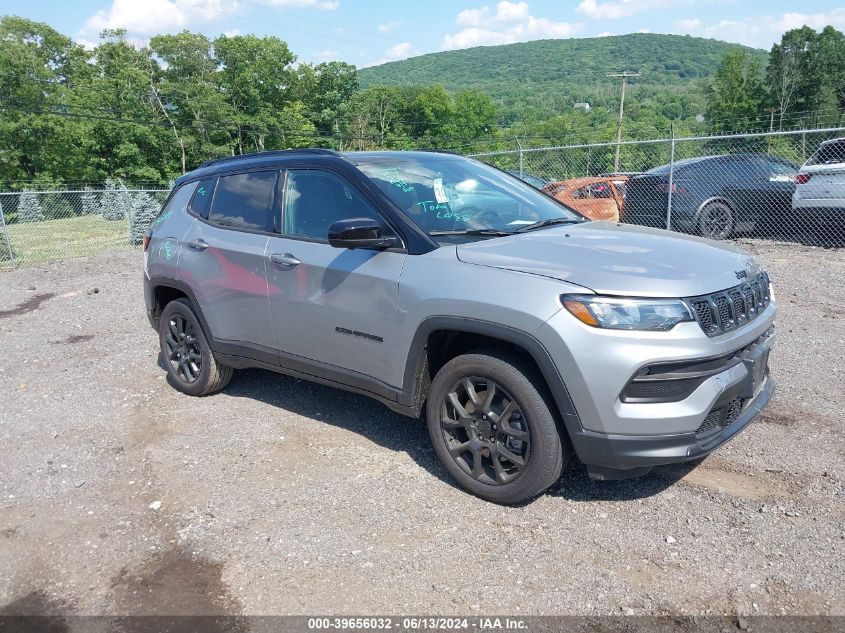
[
  {"x": 6, "y": 235},
  {"x": 125, "y": 200},
  {"x": 671, "y": 178},
  {"x": 521, "y": 163}
]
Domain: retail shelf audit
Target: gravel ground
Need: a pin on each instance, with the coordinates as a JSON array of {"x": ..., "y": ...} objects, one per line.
[{"x": 119, "y": 495}]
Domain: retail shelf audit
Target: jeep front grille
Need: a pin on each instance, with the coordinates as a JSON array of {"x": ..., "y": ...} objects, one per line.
[{"x": 730, "y": 309}]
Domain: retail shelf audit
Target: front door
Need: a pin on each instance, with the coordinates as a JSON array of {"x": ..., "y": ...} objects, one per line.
[{"x": 332, "y": 305}]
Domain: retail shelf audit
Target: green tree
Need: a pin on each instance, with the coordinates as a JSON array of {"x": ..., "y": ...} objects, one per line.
[
  {"x": 142, "y": 210},
  {"x": 187, "y": 91},
  {"x": 334, "y": 85},
  {"x": 36, "y": 63},
  {"x": 475, "y": 114},
  {"x": 735, "y": 96},
  {"x": 257, "y": 77},
  {"x": 29, "y": 207}
]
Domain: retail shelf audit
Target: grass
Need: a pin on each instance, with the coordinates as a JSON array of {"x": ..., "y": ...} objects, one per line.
[{"x": 80, "y": 236}]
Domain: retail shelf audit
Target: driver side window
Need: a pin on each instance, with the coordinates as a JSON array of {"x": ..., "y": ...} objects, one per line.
[{"x": 315, "y": 199}]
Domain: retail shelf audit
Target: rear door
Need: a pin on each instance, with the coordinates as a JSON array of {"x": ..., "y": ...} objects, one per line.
[
  {"x": 335, "y": 306},
  {"x": 223, "y": 259}
]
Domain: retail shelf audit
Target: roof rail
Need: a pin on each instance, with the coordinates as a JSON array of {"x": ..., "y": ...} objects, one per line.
[{"x": 277, "y": 152}]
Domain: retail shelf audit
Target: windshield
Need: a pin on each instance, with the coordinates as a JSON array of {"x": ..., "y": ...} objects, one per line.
[
  {"x": 453, "y": 195},
  {"x": 829, "y": 153}
]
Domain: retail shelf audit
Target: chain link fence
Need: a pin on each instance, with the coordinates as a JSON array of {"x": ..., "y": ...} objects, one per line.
[
  {"x": 779, "y": 185},
  {"x": 39, "y": 226}
]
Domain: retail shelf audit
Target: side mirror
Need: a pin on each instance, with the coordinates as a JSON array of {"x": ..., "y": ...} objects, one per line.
[{"x": 358, "y": 233}]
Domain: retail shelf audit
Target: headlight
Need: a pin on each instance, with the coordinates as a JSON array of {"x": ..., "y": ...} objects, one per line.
[{"x": 618, "y": 313}]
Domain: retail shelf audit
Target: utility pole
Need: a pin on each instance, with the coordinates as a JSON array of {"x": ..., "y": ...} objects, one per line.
[
  {"x": 771, "y": 112},
  {"x": 624, "y": 76}
]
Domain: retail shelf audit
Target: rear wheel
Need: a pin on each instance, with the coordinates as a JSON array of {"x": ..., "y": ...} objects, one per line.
[
  {"x": 493, "y": 429},
  {"x": 187, "y": 355},
  {"x": 716, "y": 221}
]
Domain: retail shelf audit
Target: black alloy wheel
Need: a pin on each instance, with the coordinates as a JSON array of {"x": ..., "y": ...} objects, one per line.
[
  {"x": 485, "y": 431},
  {"x": 717, "y": 221},
  {"x": 186, "y": 354},
  {"x": 183, "y": 348}
]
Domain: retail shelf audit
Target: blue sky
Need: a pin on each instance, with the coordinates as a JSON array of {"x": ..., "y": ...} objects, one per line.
[{"x": 366, "y": 32}]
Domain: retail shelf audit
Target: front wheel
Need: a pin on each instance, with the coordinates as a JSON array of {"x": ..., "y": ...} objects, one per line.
[{"x": 492, "y": 427}]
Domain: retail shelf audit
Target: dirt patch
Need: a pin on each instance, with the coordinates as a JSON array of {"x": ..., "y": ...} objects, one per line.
[
  {"x": 8, "y": 532},
  {"x": 76, "y": 338},
  {"x": 175, "y": 584},
  {"x": 18, "y": 615},
  {"x": 736, "y": 484},
  {"x": 33, "y": 303}
]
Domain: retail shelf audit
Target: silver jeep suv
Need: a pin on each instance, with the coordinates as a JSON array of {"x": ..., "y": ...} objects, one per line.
[{"x": 437, "y": 284}]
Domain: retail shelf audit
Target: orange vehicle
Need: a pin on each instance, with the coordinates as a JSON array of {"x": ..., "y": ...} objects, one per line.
[{"x": 597, "y": 197}]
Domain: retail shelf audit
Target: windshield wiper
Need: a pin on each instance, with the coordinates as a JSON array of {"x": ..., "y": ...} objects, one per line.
[
  {"x": 493, "y": 232},
  {"x": 549, "y": 222}
]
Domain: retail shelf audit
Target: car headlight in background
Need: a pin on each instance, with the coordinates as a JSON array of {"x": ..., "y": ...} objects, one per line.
[{"x": 619, "y": 313}]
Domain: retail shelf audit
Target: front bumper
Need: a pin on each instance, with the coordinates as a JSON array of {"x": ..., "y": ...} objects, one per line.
[
  {"x": 617, "y": 437},
  {"x": 609, "y": 456}
]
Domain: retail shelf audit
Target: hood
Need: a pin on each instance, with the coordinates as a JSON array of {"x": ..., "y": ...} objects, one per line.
[{"x": 618, "y": 259}]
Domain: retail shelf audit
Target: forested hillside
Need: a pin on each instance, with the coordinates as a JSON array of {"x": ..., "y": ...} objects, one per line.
[
  {"x": 71, "y": 115},
  {"x": 536, "y": 80}
]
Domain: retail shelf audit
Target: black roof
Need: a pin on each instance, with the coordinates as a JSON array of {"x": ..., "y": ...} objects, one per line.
[
  {"x": 258, "y": 159},
  {"x": 268, "y": 154}
]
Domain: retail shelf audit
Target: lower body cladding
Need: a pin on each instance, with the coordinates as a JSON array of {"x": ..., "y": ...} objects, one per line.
[{"x": 645, "y": 399}]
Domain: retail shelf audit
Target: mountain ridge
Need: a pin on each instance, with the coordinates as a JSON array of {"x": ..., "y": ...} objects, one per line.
[{"x": 544, "y": 75}]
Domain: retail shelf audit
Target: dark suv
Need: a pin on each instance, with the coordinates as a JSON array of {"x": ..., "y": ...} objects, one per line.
[{"x": 433, "y": 282}]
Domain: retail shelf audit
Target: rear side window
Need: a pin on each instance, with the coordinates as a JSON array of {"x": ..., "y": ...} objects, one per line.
[
  {"x": 829, "y": 153},
  {"x": 201, "y": 202},
  {"x": 244, "y": 201},
  {"x": 177, "y": 202}
]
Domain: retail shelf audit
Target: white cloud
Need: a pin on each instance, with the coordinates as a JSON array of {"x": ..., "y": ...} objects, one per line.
[
  {"x": 473, "y": 17},
  {"x": 400, "y": 51},
  {"x": 688, "y": 24},
  {"x": 87, "y": 44},
  {"x": 386, "y": 27},
  {"x": 167, "y": 16},
  {"x": 764, "y": 30},
  {"x": 510, "y": 22},
  {"x": 327, "y": 55},
  {"x": 606, "y": 34},
  {"x": 394, "y": 53},
  {"x": 232, "y": 32},
  {"x": 323, "y": 5},
  {"x": 154, "y": 16},
  {"x": 624, "y": 8}
]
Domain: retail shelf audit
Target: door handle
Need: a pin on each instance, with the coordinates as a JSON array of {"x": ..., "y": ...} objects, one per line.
[
  {"x": 198, "y": 245},
  {"x": 284, "y": 260}
]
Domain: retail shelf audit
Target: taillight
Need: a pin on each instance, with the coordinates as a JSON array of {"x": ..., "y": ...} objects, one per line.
[
  {"x": 676, "y": 188},
  {"x": 146, "y": 241},
  {"x": 802, "y": 179}
]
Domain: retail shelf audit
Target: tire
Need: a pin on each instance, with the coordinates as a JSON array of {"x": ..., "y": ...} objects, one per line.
[
  {"x": 716, "y": 221},
  {"x": 452, "y": 432},
  {"x": 190, "y": 363}
]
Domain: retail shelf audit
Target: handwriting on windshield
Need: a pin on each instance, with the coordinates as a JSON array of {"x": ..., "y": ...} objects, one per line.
[
  {"x": 442, "y": 211},
  {"x": 391, "y": 175}
]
